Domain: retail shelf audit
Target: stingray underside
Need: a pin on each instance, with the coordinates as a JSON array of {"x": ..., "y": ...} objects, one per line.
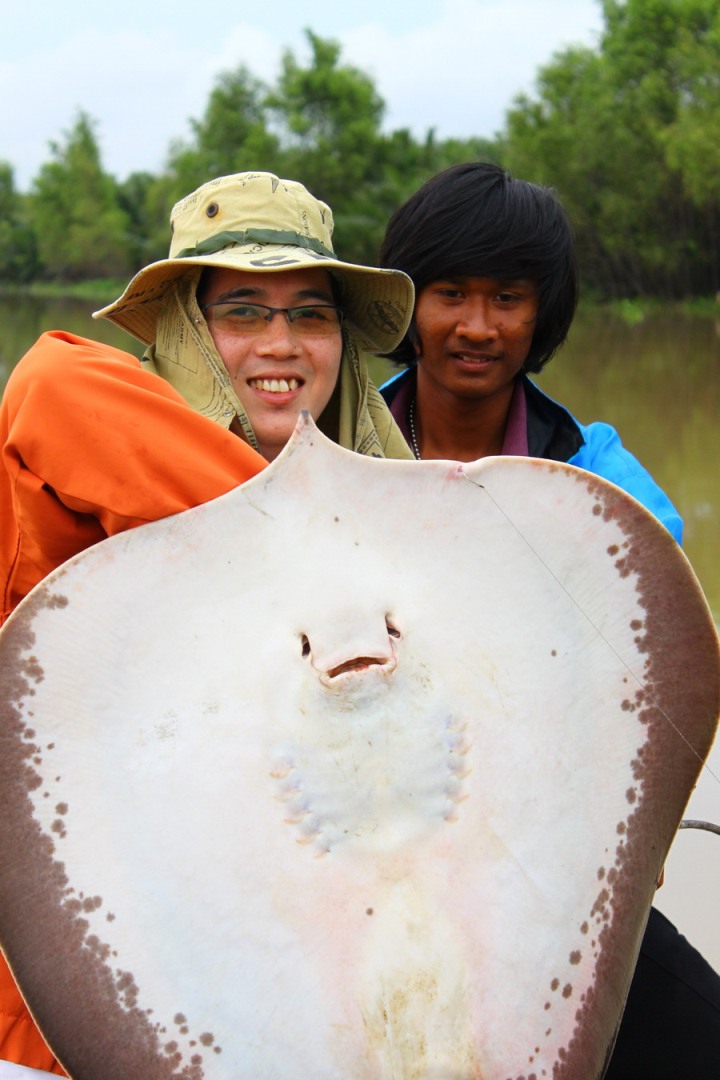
[{"x": 367, "y": 769}]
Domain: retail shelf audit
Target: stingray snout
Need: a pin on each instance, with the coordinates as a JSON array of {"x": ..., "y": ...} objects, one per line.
[{"x": 356, "y": 648}]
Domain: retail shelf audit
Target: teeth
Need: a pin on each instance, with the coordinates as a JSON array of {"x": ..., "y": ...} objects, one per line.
[{"x": 275, "y": 386}]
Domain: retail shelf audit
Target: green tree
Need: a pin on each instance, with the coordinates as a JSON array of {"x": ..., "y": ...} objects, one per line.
[
  {"x": 18, "y": 247},
  {"x": 691, "y": 138},
  {"x": 328, "y": 116},
  {"x": 145, "y": 200},
  {"x": 328, "y": 119},
  {"x": 232, "y": 136},
  {"x": 605, "y": 129},
  {"x": 81, "y": 229}
]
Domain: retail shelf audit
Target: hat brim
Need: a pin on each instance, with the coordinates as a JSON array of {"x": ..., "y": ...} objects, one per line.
[{"x": 378, "y": 302}]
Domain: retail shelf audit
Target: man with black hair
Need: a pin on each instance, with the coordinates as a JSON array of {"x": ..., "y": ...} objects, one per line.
[{"x": 493, "y": 264}]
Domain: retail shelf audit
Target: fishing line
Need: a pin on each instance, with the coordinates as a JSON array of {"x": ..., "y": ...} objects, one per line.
[{"x": 590, "y": 622}]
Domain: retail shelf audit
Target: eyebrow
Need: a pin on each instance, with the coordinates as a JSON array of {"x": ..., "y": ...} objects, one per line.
[
  {"x": 462, "y": 279},
  {"x": 248, "y": 293}
]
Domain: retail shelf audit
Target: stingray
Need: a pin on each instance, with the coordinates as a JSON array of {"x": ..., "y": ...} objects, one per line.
[{"x": 365, "y": 770}]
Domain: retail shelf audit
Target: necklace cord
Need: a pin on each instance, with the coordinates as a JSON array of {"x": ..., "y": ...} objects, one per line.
[{"x": 413, "y": 436}]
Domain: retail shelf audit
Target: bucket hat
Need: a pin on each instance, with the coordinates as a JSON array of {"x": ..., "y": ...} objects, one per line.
[{"x": 256, "y": 221}]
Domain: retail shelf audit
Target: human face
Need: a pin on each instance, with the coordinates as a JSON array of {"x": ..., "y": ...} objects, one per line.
[
  {"x": 474, "y": 334},
  {"x": 277, "y": 372}
]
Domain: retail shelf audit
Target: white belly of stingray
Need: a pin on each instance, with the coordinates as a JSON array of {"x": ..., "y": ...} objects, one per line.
[{"x": 366, "y": 770}]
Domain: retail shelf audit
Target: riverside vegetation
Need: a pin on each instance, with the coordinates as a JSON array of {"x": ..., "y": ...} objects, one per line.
[{"x": 625, "y": 131}]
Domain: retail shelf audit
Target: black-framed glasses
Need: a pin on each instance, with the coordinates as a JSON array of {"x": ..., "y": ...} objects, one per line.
[{"x": 306, "y": 320}]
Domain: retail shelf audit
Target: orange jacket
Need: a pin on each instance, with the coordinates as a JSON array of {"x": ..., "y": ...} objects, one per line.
[{"x": 92, "y": 445}]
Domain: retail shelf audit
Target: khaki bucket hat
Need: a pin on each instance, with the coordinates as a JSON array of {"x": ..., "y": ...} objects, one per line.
[{"x": 256, "y": 221}]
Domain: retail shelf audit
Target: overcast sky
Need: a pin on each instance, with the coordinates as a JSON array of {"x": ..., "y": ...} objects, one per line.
[{"x": 142, "y": 68}]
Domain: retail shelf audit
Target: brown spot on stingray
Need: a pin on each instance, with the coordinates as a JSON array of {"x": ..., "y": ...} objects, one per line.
[
  {"x": 575, "y": 957},
  {"x": 601, "y": 902},
  {"x": 207, "y": 1039},
  {"x": 127, "y": 988},
  {"x": 555, "y": 984},
  {"x": 567, "y": 990},
  {"x": 97, "y": 947},
  {"x": 32, "y": 668},
  {"x": 613, "y": 550}
]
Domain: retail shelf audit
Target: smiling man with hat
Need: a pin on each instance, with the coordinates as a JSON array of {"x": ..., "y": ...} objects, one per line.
[
  {"x": 268, "y": 242},
  {"x": 251, "y": 318}
]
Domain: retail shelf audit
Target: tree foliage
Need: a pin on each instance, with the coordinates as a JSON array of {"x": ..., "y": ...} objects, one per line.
[
  {"x": 328, "y": 117},
  {"x": 81, "y": 229},
  {"x": 18, "y": 248},
  {"x": 626, "y": 132},
  {"x": 626, "y": 135},
  {"x": 232, "y": 136}
]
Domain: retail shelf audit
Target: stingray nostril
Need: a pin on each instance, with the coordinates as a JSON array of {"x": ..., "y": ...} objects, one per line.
[
  {"x": 305, "y": 645},
  {"x": 391, "y": 629}
]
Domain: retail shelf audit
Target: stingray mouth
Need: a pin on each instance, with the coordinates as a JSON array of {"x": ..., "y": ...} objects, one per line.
[
  {"x": 361, "y": 671},
  {"x": 361, "y": 663}
]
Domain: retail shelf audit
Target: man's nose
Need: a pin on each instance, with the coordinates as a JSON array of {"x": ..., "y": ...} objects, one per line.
[
  {"x": 277, "y": 335},
  {"x": 477, "y": 321}
]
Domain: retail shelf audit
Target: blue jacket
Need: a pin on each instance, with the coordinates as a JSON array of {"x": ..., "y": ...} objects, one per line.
[{"x": 555, "y": 434}]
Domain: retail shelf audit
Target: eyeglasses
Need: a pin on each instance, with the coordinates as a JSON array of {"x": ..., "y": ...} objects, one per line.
[{"x": 309, "y": 320}]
